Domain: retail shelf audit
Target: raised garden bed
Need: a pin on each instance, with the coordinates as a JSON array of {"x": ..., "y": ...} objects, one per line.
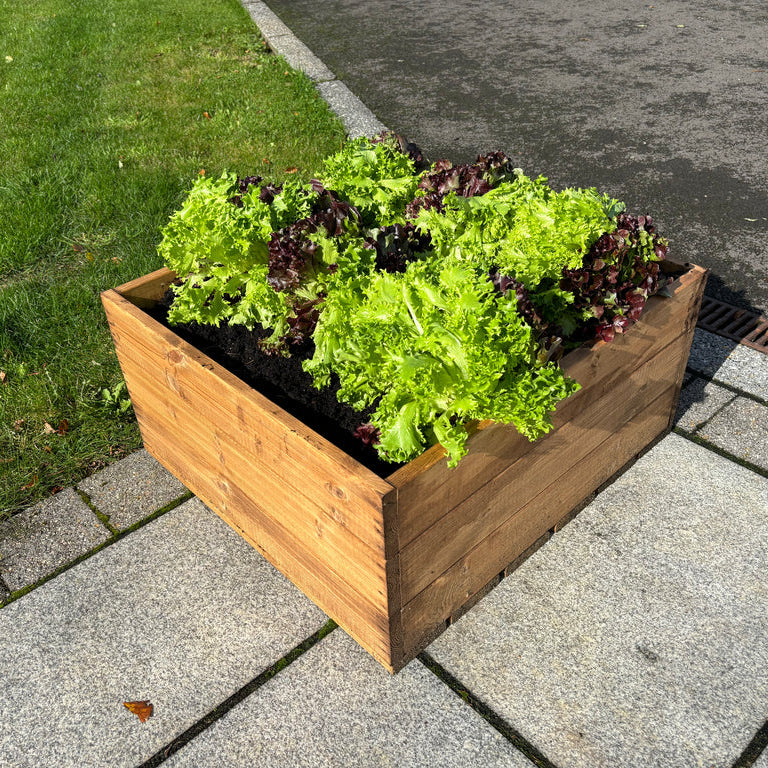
[{"x": 392, "y": 558}]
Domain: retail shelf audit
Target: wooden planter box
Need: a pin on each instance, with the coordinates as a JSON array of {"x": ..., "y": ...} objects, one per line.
[{"x": 391, "y": 560}]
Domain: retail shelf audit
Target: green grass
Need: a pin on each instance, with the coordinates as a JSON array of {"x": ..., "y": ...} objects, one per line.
[{"x": 109, "y": 109}]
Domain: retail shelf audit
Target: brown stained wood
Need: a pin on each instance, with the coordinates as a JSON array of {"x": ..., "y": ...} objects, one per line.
[
  {"x": 446, "y": 594},
  {"x": 694, "y": 305},
  {"x": 162, "y": 337},
  {"x": 146, "y": 291},
  {"x": 435, "y": 550},
  {"x": 247, "y": 452},
  {"x": 348, "y": 492},
  {"x": 219, "y": 454},
  {"x": 356, "y": 544},
  {"x": 427, "y": 489},
  {"x": 368, "y": 624}
]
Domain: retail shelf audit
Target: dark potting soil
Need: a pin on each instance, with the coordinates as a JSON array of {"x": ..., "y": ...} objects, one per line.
[{"x": 282, "y": 380}]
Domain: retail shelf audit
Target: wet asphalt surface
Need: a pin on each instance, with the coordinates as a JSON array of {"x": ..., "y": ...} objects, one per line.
[{"x": 664, "y": 106}]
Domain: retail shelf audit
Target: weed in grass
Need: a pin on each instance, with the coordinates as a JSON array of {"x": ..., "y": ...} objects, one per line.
[{"x": 111, "y": 108}]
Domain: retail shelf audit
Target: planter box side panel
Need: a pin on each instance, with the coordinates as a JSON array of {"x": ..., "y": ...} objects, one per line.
[
  {"x": 318, "y": 522},
  {"x": 426, "y": 614},
  {"x": 627, "y": 401},
  {"x": 427, "y": 489}
]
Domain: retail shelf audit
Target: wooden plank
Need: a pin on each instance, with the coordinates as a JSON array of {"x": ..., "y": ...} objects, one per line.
[
  {"x": 368, "y": 624},
  {"x": 229, "y": 458},
  {"x": 699, "y": 275},
  {"x": 348, "y": 492},
  {"x": 342, "y": 574},
  {"x": 469, "y": 522},
  {"x": 427, "y": 489},
  {"x": 147, "y": 290},
  {"x": 450, "y": 590},
  {"x": 219, "y": 455}
]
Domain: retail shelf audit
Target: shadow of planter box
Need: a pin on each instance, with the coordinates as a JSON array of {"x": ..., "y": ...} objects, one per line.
[{"x": 392, "y": 559}]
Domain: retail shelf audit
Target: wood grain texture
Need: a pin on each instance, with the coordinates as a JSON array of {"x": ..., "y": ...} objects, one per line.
[
  {"x": 304, "y": 510},
  {"x": 392, "y": 559},
  {"x": 307, "y": 463},
  {"x": 466, "y": 524},
  {"x": 449, "y": 591}
]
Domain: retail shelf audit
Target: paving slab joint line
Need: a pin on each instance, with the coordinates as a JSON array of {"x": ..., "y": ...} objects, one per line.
[
  {"x": 694, "y": 438},
  {"x": 232, "y": 701},
  {"x": 489, "y": 715},
  {"x": 754, "y": 749},
  {"x": 104, "y": 519},
  {"x": 108, "y": 543},
  {"x": 4, "y": 588},
  {"x": 717, "y": 411},
  {"x": 726, "y": 385}
]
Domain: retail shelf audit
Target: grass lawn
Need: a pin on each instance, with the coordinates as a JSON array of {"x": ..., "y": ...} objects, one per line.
[{"x": 109, "y": 109}]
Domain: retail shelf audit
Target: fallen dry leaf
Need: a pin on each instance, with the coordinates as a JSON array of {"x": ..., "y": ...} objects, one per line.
[
  {"x": 18, "y": 424},
  {"x": 30, "y": 484},
  {"x": 206, "y": 116},
  {"x": 2, "y": 376},
  {"x": 63, "y": 427},
  {"x": 292, "y": 169},
  {"x": 142, "y": 709},
  {"x": 48, "y": 429}
]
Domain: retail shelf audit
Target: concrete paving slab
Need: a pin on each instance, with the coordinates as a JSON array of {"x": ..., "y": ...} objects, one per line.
[
  {"x": 132, "y": 488},
  {"x": 741, "y": 428},
  {"x": 5, "y": 593},
  {"x": 734, "y": 364},
  {"x": 47, "y": 536},
  {"x": 335, "y": 706},
  {"x": 356, "y": 117},
  {"x": 636, "y": 636},
  {"x": 182, "y": 612},
  {"x": 699, "y": 401}
]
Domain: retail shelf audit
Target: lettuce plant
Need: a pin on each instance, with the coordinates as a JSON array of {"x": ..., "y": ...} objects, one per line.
[
  {"x": 434, "y": 347},
  {"x": 432, "y": 297}
]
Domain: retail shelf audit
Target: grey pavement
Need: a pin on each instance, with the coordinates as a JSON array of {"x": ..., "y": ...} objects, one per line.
[{"x": 636, "y": 637}]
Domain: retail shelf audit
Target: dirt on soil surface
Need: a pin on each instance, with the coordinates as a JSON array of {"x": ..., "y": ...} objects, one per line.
[{"x": 283, "y": 381}]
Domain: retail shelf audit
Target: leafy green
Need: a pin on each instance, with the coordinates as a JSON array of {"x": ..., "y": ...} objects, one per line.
[
  {"x": 220, "y": 250},
  {"x": 434, "y": 299},
  {"x": 522, "y": 228},
  {"x": 377, "y": 178},
  {"x": 433, "y": 348}
]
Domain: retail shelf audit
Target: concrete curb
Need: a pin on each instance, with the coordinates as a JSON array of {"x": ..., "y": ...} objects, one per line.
[{"x": 357, "y": 119}]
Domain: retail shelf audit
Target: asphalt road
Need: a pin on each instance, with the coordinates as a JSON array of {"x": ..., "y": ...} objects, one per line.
[{"x": 664, "y": 105}]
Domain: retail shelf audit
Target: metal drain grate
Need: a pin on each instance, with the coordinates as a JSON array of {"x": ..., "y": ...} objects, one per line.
[{"x": 740, "y": 325}]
